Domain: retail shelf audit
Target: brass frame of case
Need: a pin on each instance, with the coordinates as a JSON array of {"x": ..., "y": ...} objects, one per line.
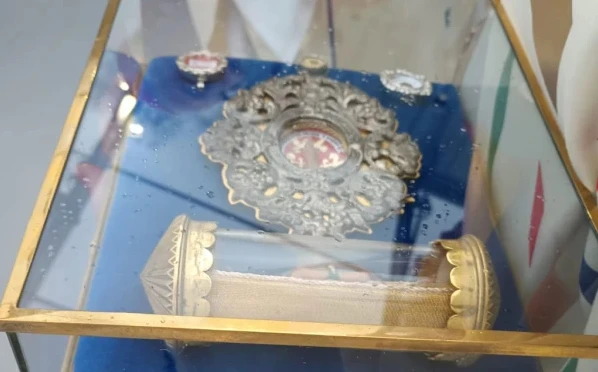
[{"x": 150, "y": 326}]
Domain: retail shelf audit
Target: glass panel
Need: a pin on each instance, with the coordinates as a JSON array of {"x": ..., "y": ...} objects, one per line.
[
  {"x": 46, "y": 352},
  {"x": 394, "y": 158}
]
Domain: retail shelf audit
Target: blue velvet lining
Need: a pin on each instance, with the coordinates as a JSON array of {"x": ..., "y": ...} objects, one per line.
[{"x": 163, "y": 174}]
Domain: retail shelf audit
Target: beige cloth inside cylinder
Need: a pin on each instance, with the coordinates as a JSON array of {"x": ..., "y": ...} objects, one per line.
[{"x": 250, "y": 296}]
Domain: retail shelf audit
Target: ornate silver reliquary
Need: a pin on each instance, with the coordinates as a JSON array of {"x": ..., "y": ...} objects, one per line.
[{"x": 311, "y": 153}]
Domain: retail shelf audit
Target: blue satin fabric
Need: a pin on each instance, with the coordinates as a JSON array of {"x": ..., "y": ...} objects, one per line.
[{"x": 163, "y": 174}]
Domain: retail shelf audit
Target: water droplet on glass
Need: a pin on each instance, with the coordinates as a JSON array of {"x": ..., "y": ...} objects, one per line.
[
  {"x": 210, "y": 194},
  {"x": 200, "y": 187},
  {"x": 260, "y": 232},
  {"x": 438, "y": 215},
  {"x": 425, "y": 226},
  {"x": 463, "y": 130},
  {"x": 62, "y": 204},
  {"x": 51, "y": 254}
]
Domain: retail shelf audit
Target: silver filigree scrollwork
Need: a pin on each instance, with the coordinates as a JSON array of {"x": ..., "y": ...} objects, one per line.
[
  {"x": 316, "y": 155},
  {"x": 392, "y": 151}
]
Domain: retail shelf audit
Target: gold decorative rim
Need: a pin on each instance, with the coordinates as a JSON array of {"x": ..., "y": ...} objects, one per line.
[
  {"x": 476, "y": 299},
  {"x": 179, "y": 265},
  {"x": 199, "y": 240}
]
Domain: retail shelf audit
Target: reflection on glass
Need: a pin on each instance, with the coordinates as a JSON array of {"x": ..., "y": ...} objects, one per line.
[{"x": 340, "y": 199}]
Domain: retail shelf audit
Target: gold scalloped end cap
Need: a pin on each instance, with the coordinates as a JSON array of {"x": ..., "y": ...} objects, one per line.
[
  {"x": 476, "y": 300},
  {"x": 198, "y": 261},
  {"x": 160, "y": 274}
]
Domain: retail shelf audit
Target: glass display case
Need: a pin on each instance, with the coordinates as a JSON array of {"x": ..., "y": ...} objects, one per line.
[{"x": 306, "y": 185}]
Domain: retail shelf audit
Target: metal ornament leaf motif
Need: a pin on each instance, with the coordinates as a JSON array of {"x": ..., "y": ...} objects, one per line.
[
  {"x": 406, "y": 82},
  {"x": 350, "y": 177}
]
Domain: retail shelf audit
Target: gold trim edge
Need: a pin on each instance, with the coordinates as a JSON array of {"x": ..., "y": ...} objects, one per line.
[
  {"x": 476, "y": 300},
  {"x": 153, "y": 326}
]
